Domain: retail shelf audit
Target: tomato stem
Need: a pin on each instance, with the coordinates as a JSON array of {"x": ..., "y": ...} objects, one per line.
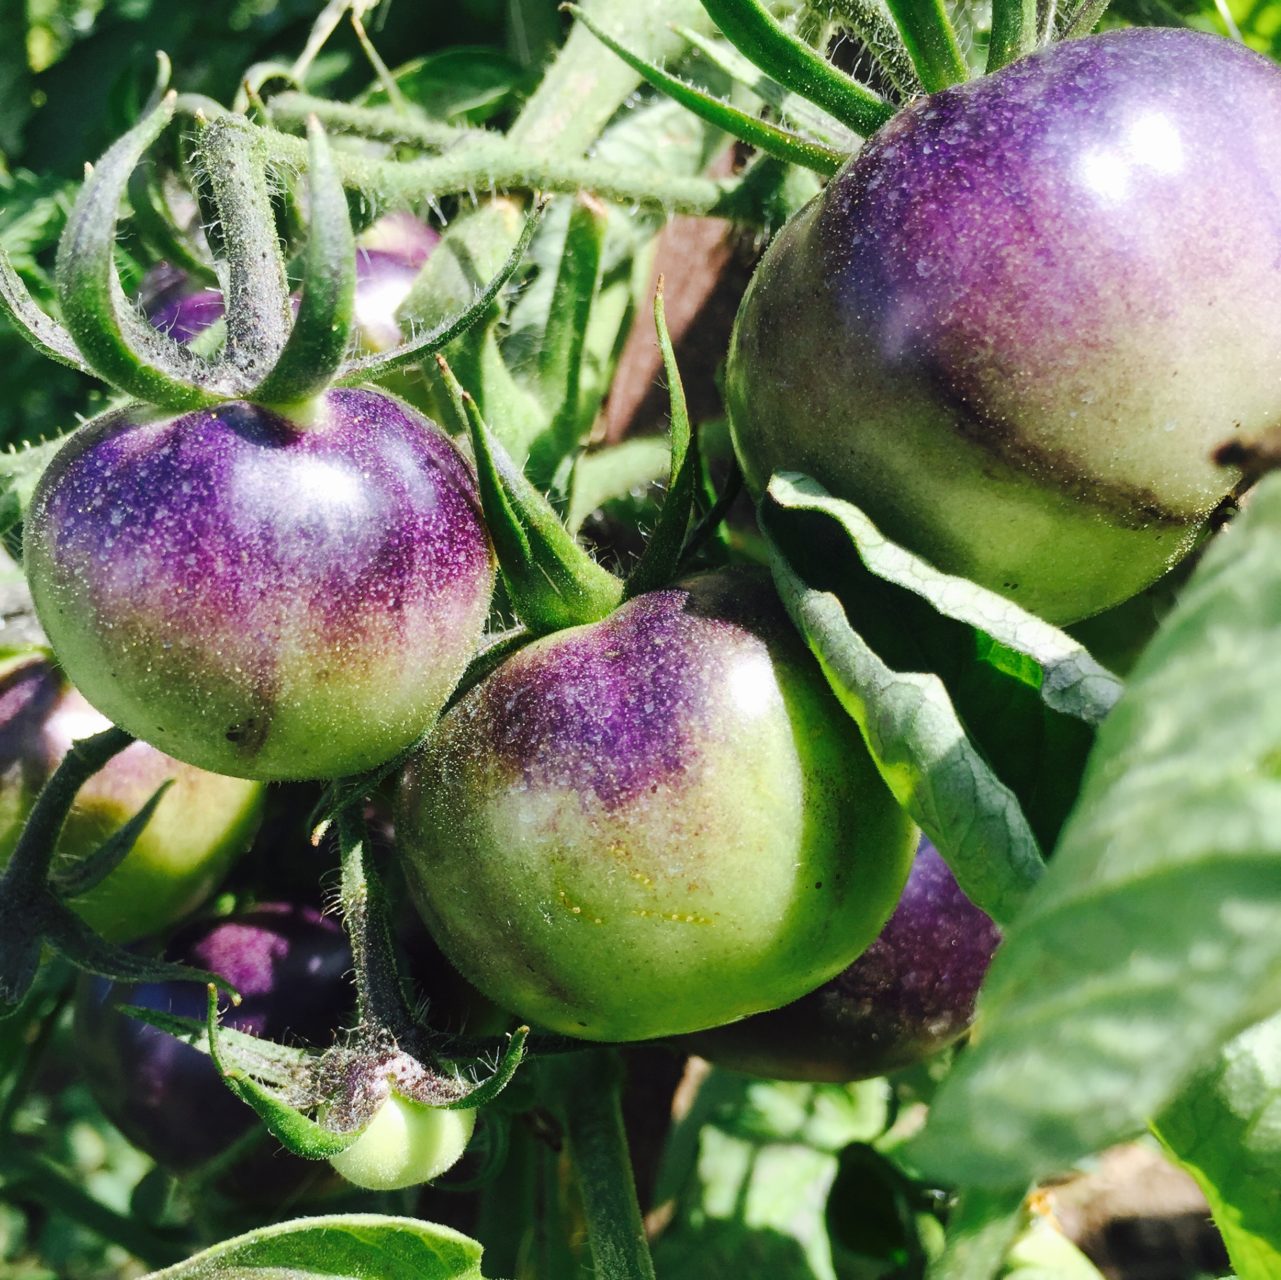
[{"x": 593, "y": 1119}]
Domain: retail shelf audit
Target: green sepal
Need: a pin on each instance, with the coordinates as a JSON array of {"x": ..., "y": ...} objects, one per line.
[
  {"x": 778, "y": 142},
  {"x": 790, "y": 61},
  {"x": 500, "y": 1077},
  {"x": 116, "y": 342},
  {"x": 322, "y": 328},
  {"x": 662, "y": 554},
  {"x": 931, "y": 42},
  {"x": 429, "y": 343},
  {"x": 231, "y": 161},
  {"x": 290, "y": 1127},
  {"x": 551, "y": 581},
  {"x": 278, "y": 1064},
  {"x": 75, "y": 878},
  {"x": 156, "y": 228},
  {"x": 870, "y": 21},
  {"x": 43, "y": 332},
  {"x": 20, "y": 472},
  {"x": 1014, "y": 32}
]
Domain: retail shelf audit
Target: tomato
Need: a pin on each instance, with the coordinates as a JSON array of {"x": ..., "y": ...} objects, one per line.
[
  {"x": 291, "y": 966},
  {"x": 200, "y": 826},
  {"x": 265, "y": 596},
  {"x": 910, "y": 994},
  {"x": 654, "y": 823},
  {"x": 389, "y": 255},
  {"x": 1016, "y": 325},
  {"x": 406, "y": 1143}
]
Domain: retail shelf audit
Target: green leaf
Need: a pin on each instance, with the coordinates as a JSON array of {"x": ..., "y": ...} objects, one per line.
[
  {"x": 980, "y": 1231},
  {"x": 1225, "y": 1129},
  {"x": 551, "y": 581},
  {"x": 662, "y": 553},
  {"x": 747, "y": 26},
  {"x": 977, "y": 713},
  {"x": 775, "y": 141},
  {"x": 119, "y": 345},
  {"x": 799, "y": 112},
  {"x": 351, "y": 1246},
  {"x": 465, "y": 85},
  {"x": 560, "y": 360},
  {"x": 749, "y": 1168},
  {"x": 1152, "y": 939},
  {"x": 621, "y": 470},
  {"x": 20, "y": 472},
  {"x": 321, "y": 330}
]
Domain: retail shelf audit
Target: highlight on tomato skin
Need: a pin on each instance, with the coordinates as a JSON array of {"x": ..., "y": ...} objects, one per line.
[
  {"x": 406, "y": 1143},
  {"x": 1005, "y": 331},
  {"x": 908, "y": 996},
  {"x": 654, "y": 823},
  {"x": 292, "y": 966},
  {"x": 262, "y": 595},
  {"x": 202, "y": 824}
]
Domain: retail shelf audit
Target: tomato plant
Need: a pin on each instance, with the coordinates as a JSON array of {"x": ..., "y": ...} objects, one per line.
[
  {"x": 647, "y": 729},
  {"x": 200, "y": 826},
  {"x": 1001, "y": 331},
  {"x": 591, "y": 805},
  {"x": 289, "y": 964}
]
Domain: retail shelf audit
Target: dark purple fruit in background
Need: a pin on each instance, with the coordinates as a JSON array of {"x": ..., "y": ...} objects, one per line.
[
  {"x": 292, "y": 966},
  {"x": 653, "y": 823},
  {"x": 389, "y": 255},
  {"x": 1014, "y": 328},
  {"x": 201, "y": 825},
  {"x": 264, "y": 596},
  {"x": 910, "y": 994}
]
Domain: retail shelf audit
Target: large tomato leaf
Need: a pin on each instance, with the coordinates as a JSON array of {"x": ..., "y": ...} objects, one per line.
[
  {"x": 1152, "y": 940},
  {"x": 354, "y": 1246},
  {"x": 978, "y": 715},
  {"x": 1225, "y": 1128}
]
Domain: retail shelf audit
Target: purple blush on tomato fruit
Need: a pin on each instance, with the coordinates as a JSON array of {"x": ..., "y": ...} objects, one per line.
[
  {"x": 259, "y": 596},
  {"x": 909, "y": 995}
]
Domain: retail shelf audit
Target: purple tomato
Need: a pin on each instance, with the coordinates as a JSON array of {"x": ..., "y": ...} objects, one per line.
[
  {"x": 200, "y": 826},
  {"x": 261, "y": 595},
  {"x": 291, "y": 966},
  {"x": 389, "y": 255},
  {"x": 1016, "y": 325},
  {"x": 910, "y": 994},
  {"x": 655, "y": 823}
]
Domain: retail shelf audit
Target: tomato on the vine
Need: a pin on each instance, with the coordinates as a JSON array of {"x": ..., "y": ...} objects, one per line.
[
  {"x": 1016, "y": 325},
  {"x": 264, "y": 595},
  {"x": 655, "y": 823}
]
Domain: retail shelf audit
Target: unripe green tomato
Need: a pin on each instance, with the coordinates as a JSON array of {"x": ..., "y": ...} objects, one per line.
[
  {"x": 202, "y": 823},
  {"x": 405, "y": 1143},
  {"x": 1015, "y": 326},
  {"x": 653, "y": 824}
]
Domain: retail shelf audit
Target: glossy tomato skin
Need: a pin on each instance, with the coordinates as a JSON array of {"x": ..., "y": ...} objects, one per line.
[
  {"x": 910, "y": 994},
  {"x": 292, "y": 967},
  {"x": 654, "y": 823},
  {"x": 203, "y": 823},
  {"x": 1017, "y": 324},
  {"x": 262, "y": 597}
]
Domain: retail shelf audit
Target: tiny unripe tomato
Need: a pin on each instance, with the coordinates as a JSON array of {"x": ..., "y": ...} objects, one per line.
[
  {"x": 291, "y": 966},
  {"x": 405, "y": 1143},
  {"x": 261, "y": 595},
  {"x": 201, "y": 825},
  {"x": 655, "y": 823},
  {"x": 1015, "y": 327},
  {"x": 910, "y": 994}
]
